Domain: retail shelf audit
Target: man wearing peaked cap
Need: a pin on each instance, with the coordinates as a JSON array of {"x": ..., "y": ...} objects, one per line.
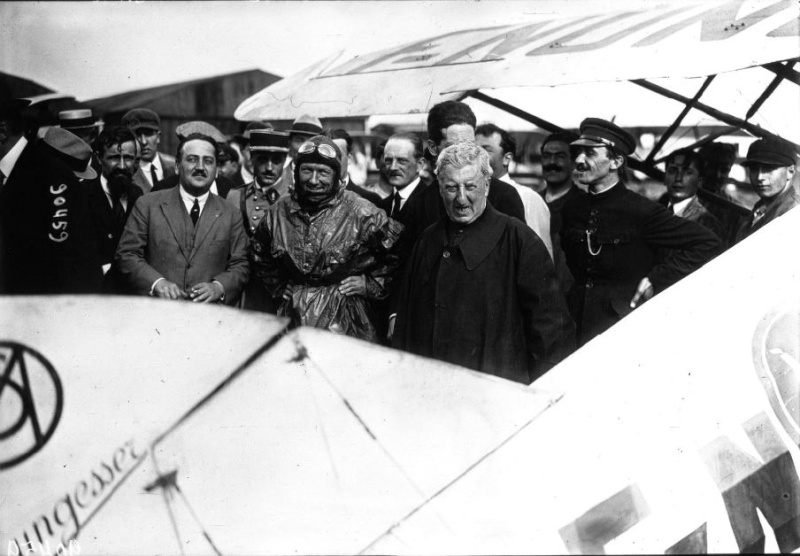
[
  {"x": 303, "y": 128},
  {"x": 81, "y": 123},
  {"x": 221, "y": 185},
  {"x": 241, "y": 141},
  {"x": 771, "y": 165},
  {"x": 612, "y": 237},
  {"x": 268, "y": 151},
  {"x": 154, "y": 166},
  {"x": 46, "y": 244}
]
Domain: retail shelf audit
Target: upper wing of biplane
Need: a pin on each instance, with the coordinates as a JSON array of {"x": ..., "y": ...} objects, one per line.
[{"x": 694, "y": 42}]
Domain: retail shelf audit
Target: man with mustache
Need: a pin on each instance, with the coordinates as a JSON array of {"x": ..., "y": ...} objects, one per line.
[
  {"x": 268, "y": 150},
  {"x": 557, "y": 169},
  {"x": 186, "y": 242},
  {"x": 613, "y": 237},
  {"x": 112, "y": 195},
  {"x": 324, "y": 253},
  {"x": 402, "y": 163},
  {"x": 153, "y": 165}
]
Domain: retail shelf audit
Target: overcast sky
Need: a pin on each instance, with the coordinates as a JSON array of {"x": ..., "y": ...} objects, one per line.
[{"x": 93, "y": 49}]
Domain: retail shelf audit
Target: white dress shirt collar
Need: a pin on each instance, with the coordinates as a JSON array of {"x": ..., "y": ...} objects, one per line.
[
  {"x": 406, "y": 192},
  {"x": 188, "y": 200},
  {"x": 679, "y": 207}
]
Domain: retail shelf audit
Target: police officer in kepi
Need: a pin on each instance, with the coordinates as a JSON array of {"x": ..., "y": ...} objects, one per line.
[
  {"x": 268, "y": 151},
  {"x": 611, "y": 238}
]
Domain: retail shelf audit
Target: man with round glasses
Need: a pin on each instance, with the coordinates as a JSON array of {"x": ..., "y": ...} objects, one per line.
[{"x": 325, "y": 253}]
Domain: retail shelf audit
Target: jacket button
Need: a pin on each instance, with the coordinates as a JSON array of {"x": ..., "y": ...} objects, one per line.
[
  {"x": 110, "y": 236},
  {"x": 616, "y": 241},
  {"x": 589, "y": 285},
  {"x": 255, "y": 217},
  {"x": 446, "y": 254}
]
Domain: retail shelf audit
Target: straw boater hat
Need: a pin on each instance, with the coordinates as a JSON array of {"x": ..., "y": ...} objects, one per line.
[
  {"x": 199, "y": 128},
  {"x": 306, "y": 125},
  {"x": 80, "y": 118}
]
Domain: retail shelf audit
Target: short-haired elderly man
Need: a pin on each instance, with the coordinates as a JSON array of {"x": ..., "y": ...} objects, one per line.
[
  {"x": 480, "y": 289},
  {"x": 325, "y": 253}
]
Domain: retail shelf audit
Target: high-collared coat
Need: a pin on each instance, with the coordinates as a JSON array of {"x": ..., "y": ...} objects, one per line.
[
  {"x": 611, "y": 241},
  {"x": 159, "y": 240},
  {"x": 487, "y": 300}
]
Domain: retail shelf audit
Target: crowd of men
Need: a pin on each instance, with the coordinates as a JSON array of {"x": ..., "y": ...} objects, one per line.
[{"x": 445, "y": 256}]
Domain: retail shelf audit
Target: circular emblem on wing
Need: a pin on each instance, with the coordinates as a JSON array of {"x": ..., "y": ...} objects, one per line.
[
  {"x": 776, "y": 355},
  {"x": 31, "y": 400}
]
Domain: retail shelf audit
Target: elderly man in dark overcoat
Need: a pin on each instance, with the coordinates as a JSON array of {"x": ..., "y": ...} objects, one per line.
[{"x": 480, "y": 289}]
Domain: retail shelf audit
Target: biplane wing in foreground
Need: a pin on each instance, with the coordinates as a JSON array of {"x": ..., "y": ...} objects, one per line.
[{"x": 136, "y": 426}]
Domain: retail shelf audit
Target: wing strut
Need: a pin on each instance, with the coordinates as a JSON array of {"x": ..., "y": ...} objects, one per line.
[
  {"x": 713, "y": 112},
  {"x": 780, "y": 75},
  {"x": 671, "y": 129}
]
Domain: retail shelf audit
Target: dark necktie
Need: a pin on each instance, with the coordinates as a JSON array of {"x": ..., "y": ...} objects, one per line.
[
  {"x": 195, "y": 212},
  {"x": 395, "y": 206},
  {"x": 153, "y": 175},
  {"x": 119, "y": 212}
]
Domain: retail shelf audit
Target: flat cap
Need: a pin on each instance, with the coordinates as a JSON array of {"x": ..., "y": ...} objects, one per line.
[
  {"x": 268, "y": 140},
  {"x": 602, "y": 133},
  {"x": 306, "y": 125},
  {"x": 199, "y": 128},
  {"x": 771, "y": 151},
  {"x": 69, "y": 148},
  {"x": 141, "y": 117},
  {"x": 80, "y": 118}
]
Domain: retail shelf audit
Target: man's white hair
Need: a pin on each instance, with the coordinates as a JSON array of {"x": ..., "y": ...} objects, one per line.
[{"x": 461, "y": 155}]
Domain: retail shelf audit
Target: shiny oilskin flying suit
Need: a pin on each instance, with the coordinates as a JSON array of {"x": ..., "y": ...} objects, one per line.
[{"x": 312, "y": 254}]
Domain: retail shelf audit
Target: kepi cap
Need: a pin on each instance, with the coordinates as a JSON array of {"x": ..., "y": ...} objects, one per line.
[
  {"x": 306, "y": 125},
  {"x": 69, "y": 148},
  {"x": 80, "y": 118},
  {"x": 199, "y": 128},
  {"x": 268, "y": 140},
  {"x": 244, "y": 138},
  {"x": 602, "y": 133},
  {"x": 771, "y": 151},
  {"x": 141, "y": 117}
]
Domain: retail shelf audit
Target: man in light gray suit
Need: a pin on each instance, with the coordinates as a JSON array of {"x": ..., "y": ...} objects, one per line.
[{"x": 185, "y": 242}]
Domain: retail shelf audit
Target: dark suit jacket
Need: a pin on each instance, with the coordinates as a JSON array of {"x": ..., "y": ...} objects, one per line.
[
  {"x": 46, "y": 243},
  {"x": 167, "y": 164},
  {"x": 628, "y": 234},
  {"x": 160, "y": 241},
  {"x": 386, "y": 203},
  {"x": 107, "y": 230},
  {"x": 224, "y": 185}
]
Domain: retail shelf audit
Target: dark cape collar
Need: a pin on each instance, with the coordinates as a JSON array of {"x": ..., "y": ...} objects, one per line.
[{"x": 480, "y": 239}]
